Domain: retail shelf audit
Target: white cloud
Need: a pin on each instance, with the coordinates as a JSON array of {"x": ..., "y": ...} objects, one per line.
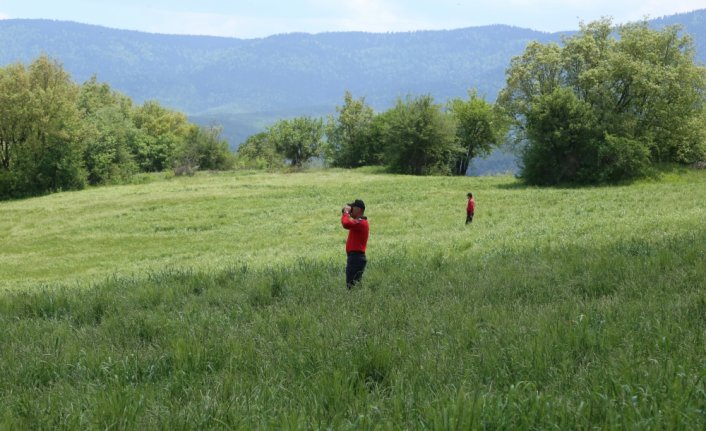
[
  {"x": 659, "y": 8},
  {"x": 347, "y": 15},
  {"x": 379, "y": 16},
  {"x": 316, "y": 16},
  {"x": 198, "y": 23},
  {"x": 4, "y": 15}
]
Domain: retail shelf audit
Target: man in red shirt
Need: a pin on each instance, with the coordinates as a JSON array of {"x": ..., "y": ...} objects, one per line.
[
  {"x": 470, "y": 208},
  {"x": 356, "y": 223}
]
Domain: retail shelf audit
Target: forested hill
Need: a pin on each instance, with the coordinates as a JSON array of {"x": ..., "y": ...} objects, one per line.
[
  {"x": 245, "y": 84},
  {"x": 281, "y": 72}
]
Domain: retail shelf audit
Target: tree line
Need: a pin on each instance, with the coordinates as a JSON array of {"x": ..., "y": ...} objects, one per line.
[
  {"x": 417, "y": 136},
  {"x": 607, "y": 105},
  {"x": 58, "y": 135}
]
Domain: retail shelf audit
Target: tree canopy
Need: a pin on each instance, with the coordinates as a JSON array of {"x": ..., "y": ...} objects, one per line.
[
  {"x": 480, "y": 127},
  {"x": 59, "y": 135},
  {"x": 350, "y": 135},
  {"x": 606, "y": 105}
]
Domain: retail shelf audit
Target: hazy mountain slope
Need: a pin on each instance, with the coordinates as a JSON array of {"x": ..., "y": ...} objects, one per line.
[{"x": 284, "y": 72}]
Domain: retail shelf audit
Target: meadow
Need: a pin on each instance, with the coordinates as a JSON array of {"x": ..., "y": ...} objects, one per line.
[{"x": 218, "y": 302}]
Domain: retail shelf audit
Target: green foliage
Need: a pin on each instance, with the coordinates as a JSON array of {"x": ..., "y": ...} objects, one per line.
[
  {"x": 204, "y": 149},
  {"x": 56, "y": 135},
  {"x": 108, "y": 133},
  {"x": 623, "y": 159},
  {"x": 299, "y": 139},
  {"x": 350, "y": 135},
  {"x": 16, "y": 112},
  {"x": 563, "y": 133},
  {"x": 160, "y": 133},
  {"x": 40, "y": 137},
  {"x": 419, "y": 138},
  {"x": 259, "y": 152},
  {"x": 108, "y": 137},
  {"x": 479, "y": 129},
  {"x": 641, "y": 88}
]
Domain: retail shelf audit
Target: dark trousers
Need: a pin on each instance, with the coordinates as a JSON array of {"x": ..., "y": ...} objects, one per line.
[
  {"x": 355, "y": 267},
  {"x": 469, "y": 217}
]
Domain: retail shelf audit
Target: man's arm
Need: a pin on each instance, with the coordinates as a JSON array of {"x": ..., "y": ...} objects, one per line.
[{"x": 348, "y": 222}]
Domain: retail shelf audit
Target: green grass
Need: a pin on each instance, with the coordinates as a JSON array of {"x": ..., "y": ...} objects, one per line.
[{"x": 219, "y": 302}]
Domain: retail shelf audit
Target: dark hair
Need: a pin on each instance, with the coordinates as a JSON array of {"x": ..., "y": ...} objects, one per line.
[
  {"x": 470, "y": 195},
  {"x": 357, "y": 203}
]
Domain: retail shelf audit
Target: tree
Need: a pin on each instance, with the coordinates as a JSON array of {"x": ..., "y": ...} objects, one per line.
[
  {"x": 662, "y": 90},
  {"x": 57, "y": 135},
  {"x": 15, "y": 112},
  {"x": 204, "y": 149},
  {"x": 641, "y": 89},
  {"x": 46, "y": 153},
  {"x": 350, "y": 135},
  {"x": 259, "y": 152},
  {"x": 108, "y": 137},
  {"x": 479, "y": 129},
  {"x": 160, "y": 133},
  {"x": 299, "y": 139},
  {"x": 564, "y": 135},
  {"x": 108, "y": 133},
  {"x": 419, "y": 138}
]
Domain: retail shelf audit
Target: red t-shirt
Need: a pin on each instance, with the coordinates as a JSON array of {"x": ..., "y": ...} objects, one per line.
[
  {"x": 357, "y": 232},
  {"x": 471, "y": 208}
]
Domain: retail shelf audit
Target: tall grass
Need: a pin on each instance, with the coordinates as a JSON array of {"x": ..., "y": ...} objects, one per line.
[{"x": 570, "y": 309}]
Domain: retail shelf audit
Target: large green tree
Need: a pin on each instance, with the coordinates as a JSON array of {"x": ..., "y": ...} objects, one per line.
[
  {"x": 480, "y": 127},
  {"x": 109, "y": 133},
  {"x": 636, "y": 96},
  {"x": 299, "y": 139},
  {"x": 41, "y": 132},
  {"x": 204, "y": 149},
  {"x": 420, "y": 139},
  {"x": 15, "y": 112},
  {"x": 350, "y": 135},
  {"x": 161, "y": 132}
]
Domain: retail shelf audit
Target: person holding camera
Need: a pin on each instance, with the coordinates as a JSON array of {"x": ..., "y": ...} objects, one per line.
[{"x": 354, "y": 220}]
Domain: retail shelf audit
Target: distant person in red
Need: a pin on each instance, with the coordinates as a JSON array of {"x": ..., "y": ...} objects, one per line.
[
  {"x": 352, "y": 218},
  {"x": 470, "y": 208}
]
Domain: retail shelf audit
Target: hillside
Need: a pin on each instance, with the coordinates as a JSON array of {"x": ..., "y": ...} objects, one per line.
[
  {"x": 218, "y": 301},
  {"x": 245, "y": 84}
]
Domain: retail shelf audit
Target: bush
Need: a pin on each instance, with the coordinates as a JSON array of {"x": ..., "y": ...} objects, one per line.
[
  {"x": 622, "y": 159},
  {"x": 7, "y": 184},
  {"x": 562, "y": 140}
]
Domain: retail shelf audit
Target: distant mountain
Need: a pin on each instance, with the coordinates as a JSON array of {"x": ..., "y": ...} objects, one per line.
[
  {"x": 246, "y": 84},
  {"x": 251, "y": 82}
]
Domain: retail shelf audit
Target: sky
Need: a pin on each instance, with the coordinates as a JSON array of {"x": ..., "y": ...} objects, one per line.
[{"x": 249, "y": 19}]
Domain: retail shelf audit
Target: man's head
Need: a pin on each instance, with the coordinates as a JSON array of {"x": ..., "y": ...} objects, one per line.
[
  {"x": 357, "y": 208},
  {"x": 470, "y": 195}
]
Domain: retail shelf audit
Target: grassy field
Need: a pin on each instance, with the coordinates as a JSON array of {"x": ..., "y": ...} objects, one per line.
[{"x": 219, "y": 302}]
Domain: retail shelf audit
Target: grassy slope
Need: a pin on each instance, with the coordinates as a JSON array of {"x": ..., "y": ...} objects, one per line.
[{"x": 218, "y": 301}]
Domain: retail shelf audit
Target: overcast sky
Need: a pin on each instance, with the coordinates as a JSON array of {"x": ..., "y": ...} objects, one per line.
[{"x": 260, "y": 18}]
